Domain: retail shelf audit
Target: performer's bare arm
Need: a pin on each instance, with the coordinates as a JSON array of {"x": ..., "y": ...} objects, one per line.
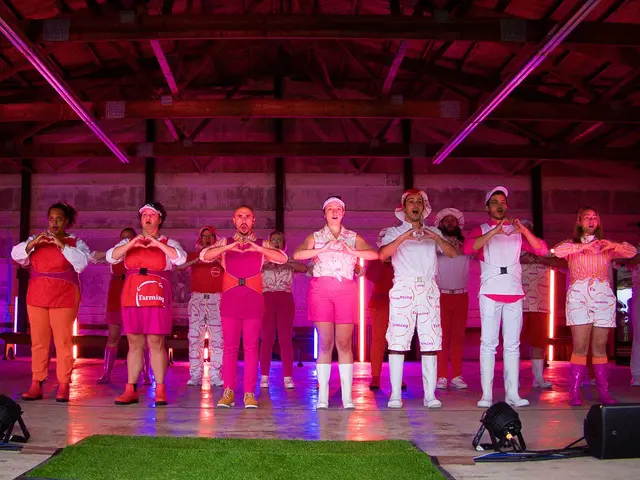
[
  {"x": 307, "y": 250},
  {"x": 118, "y": 252},
  {"x": 211, "y": 253},
  {"x": 387, "y": 251},
  {"x": 482, "y": 240},
  {"x": 362, "y": 250},
  {"x": 270, "y": 254}
]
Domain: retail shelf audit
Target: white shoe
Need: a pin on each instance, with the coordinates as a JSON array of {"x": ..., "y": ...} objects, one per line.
[
  {"x": 216, "y": 381},
  {"x": 459, "y": 383},
  {"x": 442, "y": 383},
  {"x": 396, "y": 365},
  {"x": 264, "y": 381},
  {"x": 324, "y": 373},
  {"x": 511, "y": 374},
  {"x": 194, "y": 382},
  {"x": 537, "y": 367},
  {"x": 487, "y": 367},
  {"x": 635, "y": 381},
  {"x": 429, "y": 380},
  {"x": 346, "y": 384},
  {"x": 288, "y": 383}
]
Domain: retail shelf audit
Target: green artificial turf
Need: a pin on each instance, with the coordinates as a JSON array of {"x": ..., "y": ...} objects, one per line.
[{"x": 123, "y": 457}]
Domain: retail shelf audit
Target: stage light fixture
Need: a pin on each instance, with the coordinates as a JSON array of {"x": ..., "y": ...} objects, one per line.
[
  {"x": 504, "y": 427},
  {"x": 10, "y": 414}
]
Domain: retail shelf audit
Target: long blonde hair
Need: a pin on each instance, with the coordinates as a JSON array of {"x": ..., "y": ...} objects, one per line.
[{"x": 578, "y": 232}]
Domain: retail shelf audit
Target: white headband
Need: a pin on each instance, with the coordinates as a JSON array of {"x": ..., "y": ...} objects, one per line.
[
  {"x": 333, "y": 199},
  {"x": 148, "y": 206}
]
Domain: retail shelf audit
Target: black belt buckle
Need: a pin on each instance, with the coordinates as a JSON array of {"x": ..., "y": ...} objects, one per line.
[
  {"x": 242, "y": 282},
  {"x": 503, "y": 270},
  {"x": 122, "y": 277},
  {"x": 144, "y": 271}
]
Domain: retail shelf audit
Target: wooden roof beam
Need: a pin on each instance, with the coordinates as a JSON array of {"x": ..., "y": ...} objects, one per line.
[
  {"x": 294, "y": 26},
  {"x": 318, "y": 108},
  {"x": 319, "y": 150}
]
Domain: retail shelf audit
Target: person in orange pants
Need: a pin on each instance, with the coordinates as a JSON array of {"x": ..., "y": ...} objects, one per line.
[
  {"x": 55, "y": 258},
  {"x": 452, "y": 279},
  {"x": 381, "y": 275}
]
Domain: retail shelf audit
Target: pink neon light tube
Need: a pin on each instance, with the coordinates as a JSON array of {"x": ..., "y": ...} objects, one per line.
[
  {"x": 24, "y": 46},
  {"x": 557, "y": 34}
]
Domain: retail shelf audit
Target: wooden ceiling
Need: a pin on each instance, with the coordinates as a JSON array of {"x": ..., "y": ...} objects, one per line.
[{"x": 350, "y": 85}]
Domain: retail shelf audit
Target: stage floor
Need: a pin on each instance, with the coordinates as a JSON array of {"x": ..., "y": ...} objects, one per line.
[{"x": 290, "y": 414}]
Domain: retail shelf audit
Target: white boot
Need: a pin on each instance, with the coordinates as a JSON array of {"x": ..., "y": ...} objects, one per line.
[
  {"x": 324, "y": 373},
  {"x": 537, "y": 367},
  {"x": 396, "y": 364},
  {"x": 346, "y": 382},
  {"x": 429, "y": 379},
  {"x": 511, "y": 374},
  {"x": 487, "y": 366}
]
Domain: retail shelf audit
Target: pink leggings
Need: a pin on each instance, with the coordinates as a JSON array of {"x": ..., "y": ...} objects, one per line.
[
  {"x": 232, "y": 329},
  {"x": 279, "y": 311}
]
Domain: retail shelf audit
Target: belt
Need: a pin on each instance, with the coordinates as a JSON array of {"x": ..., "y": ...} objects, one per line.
[
  {"x": 456, "y": 291},
  {"x": 413, "y": 279},
  {"x": 70, "y": 276},
  {"x": 145, "y": 271},
  {"x": 206, "y": 296},
  {"x": 229, "y": 281}
]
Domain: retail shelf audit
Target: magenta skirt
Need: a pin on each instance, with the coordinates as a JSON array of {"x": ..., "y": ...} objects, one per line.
[{"x": 147, "y": 320}]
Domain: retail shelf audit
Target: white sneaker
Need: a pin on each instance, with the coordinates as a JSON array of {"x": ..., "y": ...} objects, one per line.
[
  {"x": 264, "y": 381},
  {"x": 216, "y": 381},
  {"x": 459, "y": 382},
  {"x": 635, "y": 381},
  {"x": 194, "y": 382},
  {"x": 442, "y": 383},
  {"x": 288, "y": 383}
]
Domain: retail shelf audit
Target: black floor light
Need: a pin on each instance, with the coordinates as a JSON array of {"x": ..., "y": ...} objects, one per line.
[
  {"x": 10, "y": 414},
  {"x": 504, "y": 427}
]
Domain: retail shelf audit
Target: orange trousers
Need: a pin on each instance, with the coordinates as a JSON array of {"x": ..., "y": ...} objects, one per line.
[
  {"x": 43, "y": 321},
  {"x": 454, "y": 310},
  {"x": 379, "y": 311}
]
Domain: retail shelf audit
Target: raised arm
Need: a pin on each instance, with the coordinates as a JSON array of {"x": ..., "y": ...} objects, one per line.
[
  {"x": 362, "y": 250},
  {"x": 390, "y": 245},
  {"x": 307, "y": 250}
]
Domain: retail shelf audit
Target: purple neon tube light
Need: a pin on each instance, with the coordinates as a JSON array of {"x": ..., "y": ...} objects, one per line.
[
  {"x": 24, "y": 47},
  {"x": 557, "y": 34}
]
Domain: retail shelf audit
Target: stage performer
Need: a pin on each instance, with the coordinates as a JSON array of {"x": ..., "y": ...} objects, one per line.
[
  {"x": 242, "y": 303},
  {"x": 113, "y": 316},
  {"x": 55, "y": 258},
  {"x": 591, "y": 303},
  {"x": 634, "y": 316},
  {"x": 279, "y": 312},
  {"x": 498, "y": 244},
  {"x": 452, "y": 279},
  {"x": 333, "y": 295},
  {"x": 146, "y": 297},
  {"x": 414, "y": 300},
  {"x": 204, "y": 311}
]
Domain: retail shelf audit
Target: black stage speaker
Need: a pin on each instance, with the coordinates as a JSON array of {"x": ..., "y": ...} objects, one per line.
[
  {"x": 613, "y": 431},
  {"x": 10, "y": 414}
]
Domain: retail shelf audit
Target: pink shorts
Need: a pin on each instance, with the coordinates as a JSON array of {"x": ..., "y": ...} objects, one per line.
[
  {"x": 331, "y": 300},
  {"x": 147, "y": 320}
]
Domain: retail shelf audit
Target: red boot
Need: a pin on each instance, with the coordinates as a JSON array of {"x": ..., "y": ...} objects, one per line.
[
  {"x": 35, "y": 391},
  {"x": 129, "y": 396},
  {"x": 161, "y": 394},
  {"x": 63, "y": 393}
]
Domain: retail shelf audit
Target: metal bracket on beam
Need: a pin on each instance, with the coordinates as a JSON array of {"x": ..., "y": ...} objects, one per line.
[
  {"x": 166, "y": 100},
  {"x": 417, "y": 150},
  {"x": 450, "y": 109},
  {"x": 144, "y": 150},
  {"x": 127, "y": 16},
  {"x": 114, "y": 110},
  {"x": 513, "y": 30},
  {"x": 56, "y": 30},
  {"x": 396, "y": 100}
]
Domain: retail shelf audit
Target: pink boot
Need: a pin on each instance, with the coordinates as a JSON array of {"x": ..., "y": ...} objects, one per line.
[
  {"x": 109, "y": 360},
  {"x": 578, "y": 372},
  {"x": 146, "y": 367},
  {"x": 600, "y": 374}
]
